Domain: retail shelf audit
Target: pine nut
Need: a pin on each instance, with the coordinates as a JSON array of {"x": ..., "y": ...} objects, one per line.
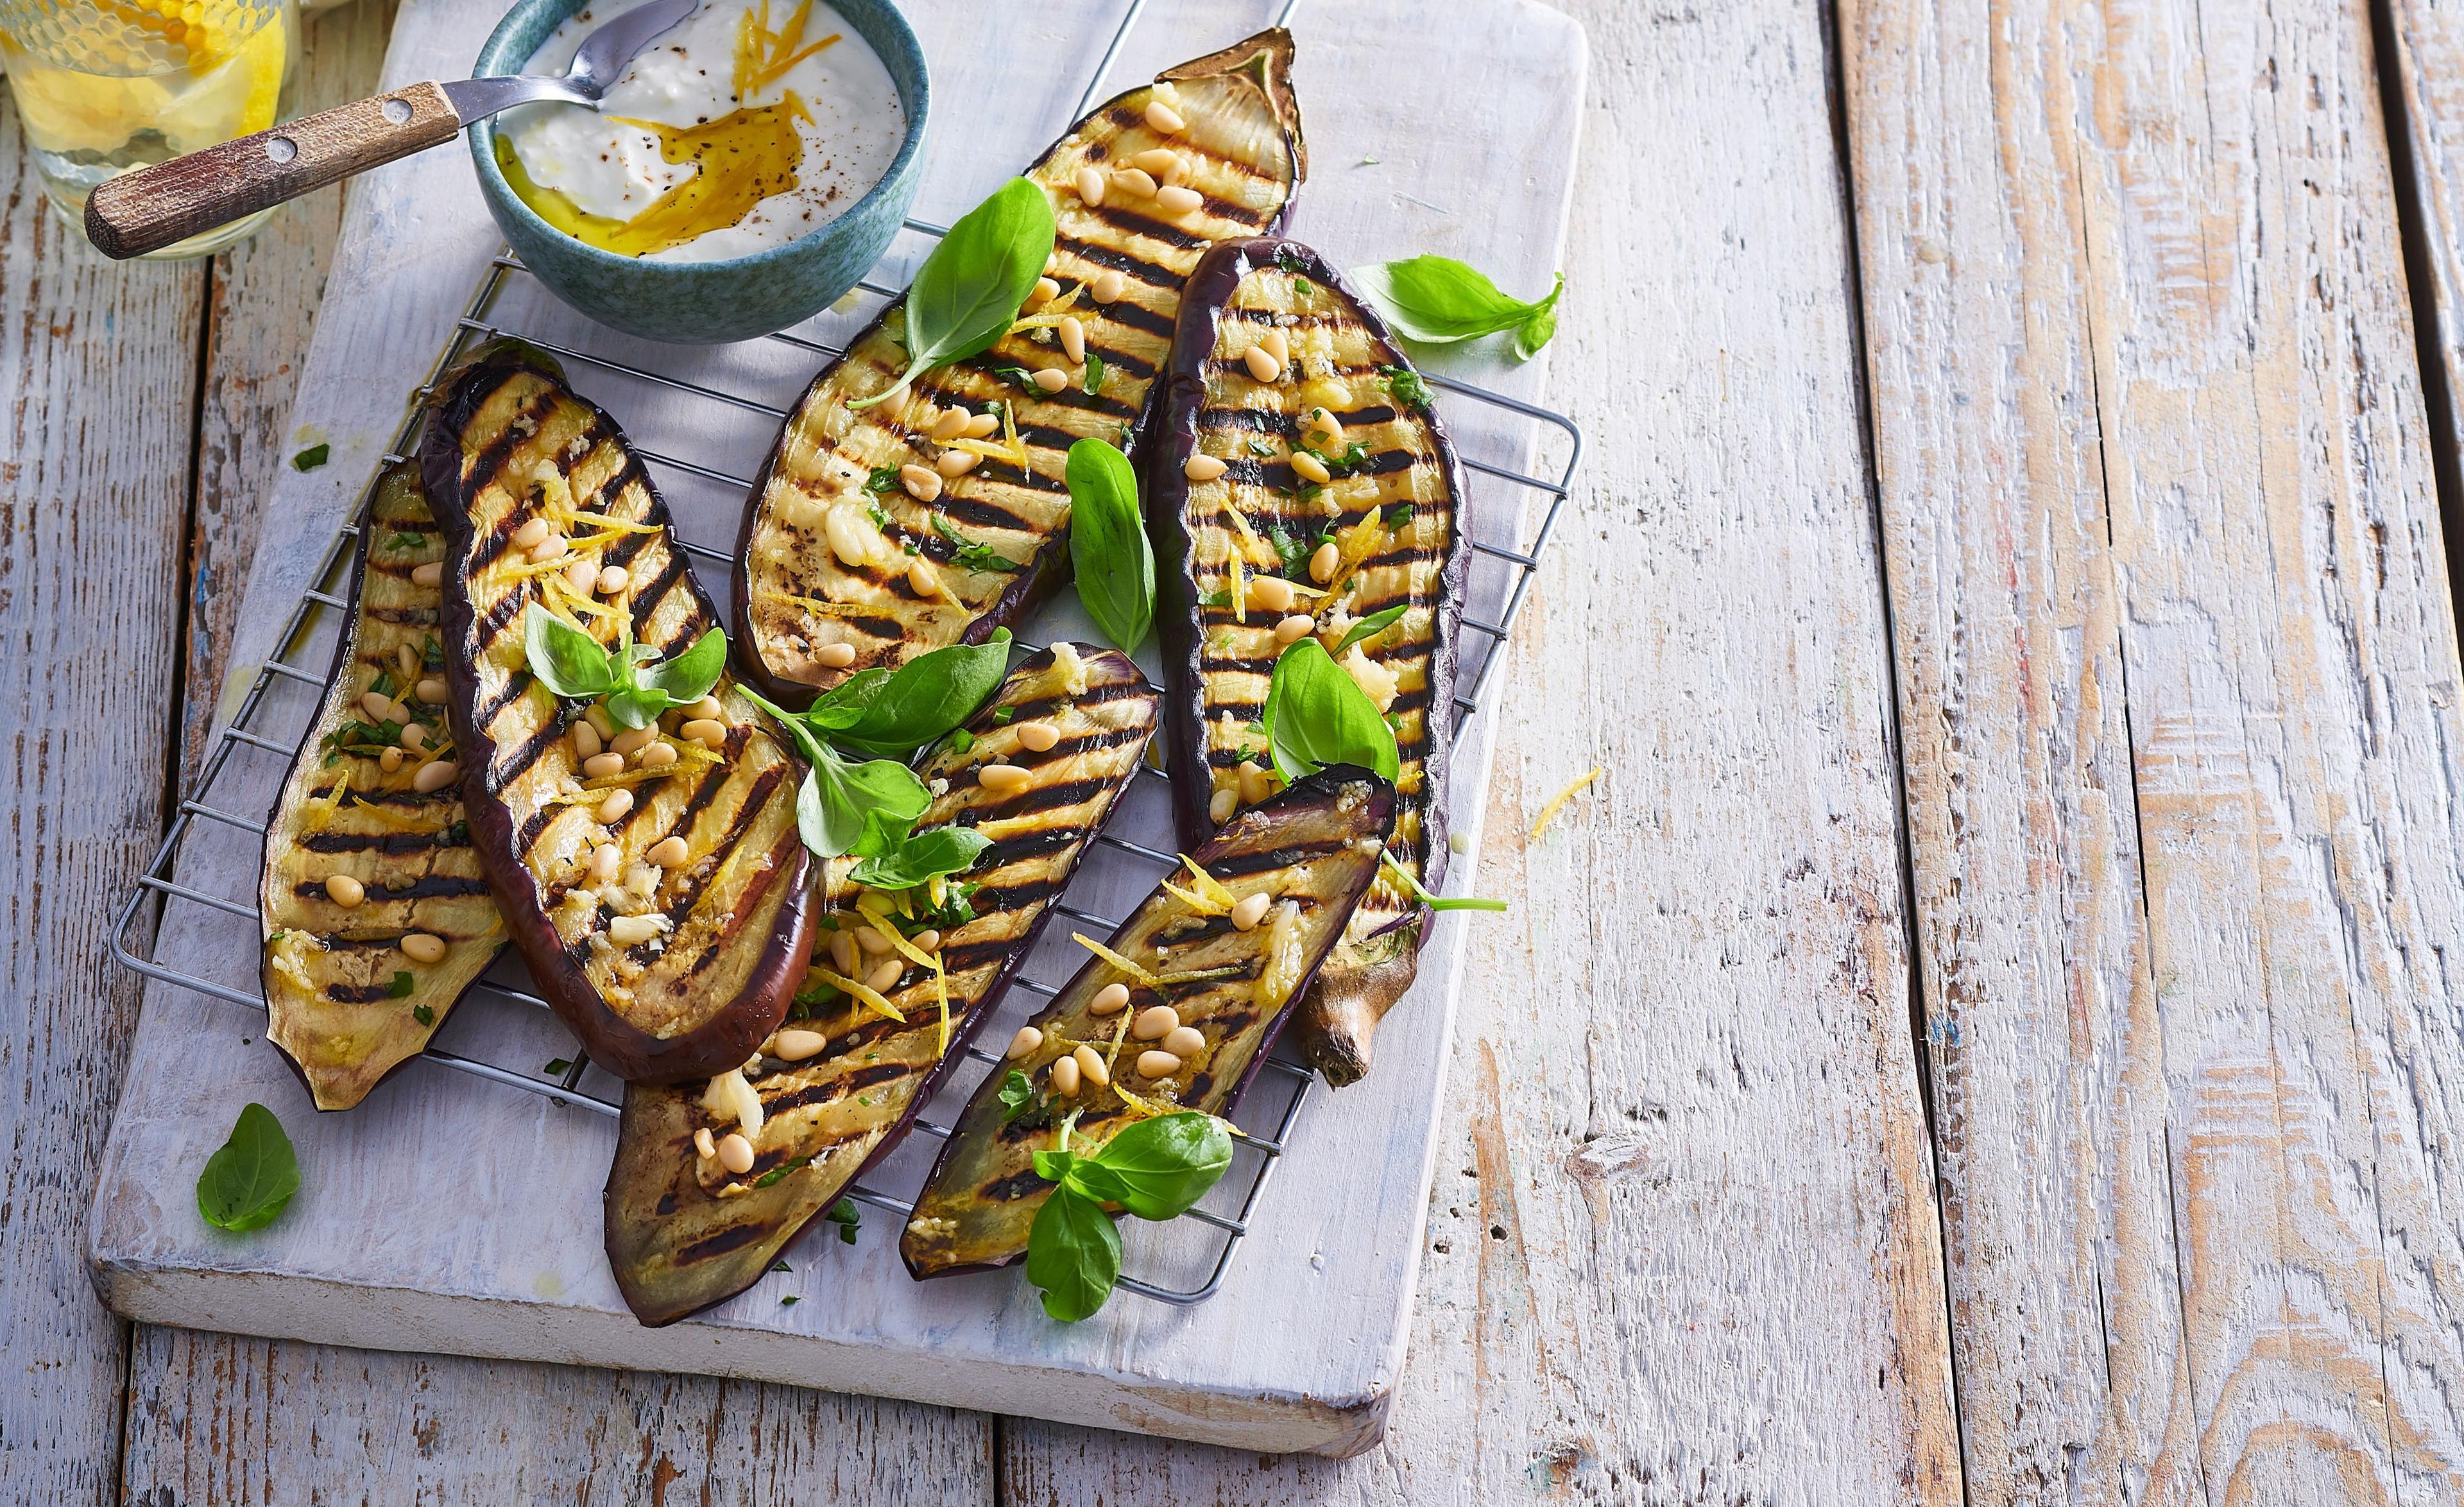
[
  {"x": 709, "y": 707},
  {"x": 922, "y": 482},
  {"x": 956, "y": 462},
  {"x": 631, "y": 740},
  {"x": 406, "y": 661},
  {"x": 546, "y": 549},
  {"x": 1090, "y": 186},
  {"x": 1110, "y": 999},
  {"x": 834, "y": 656},
  {"x": 795, "y": 1046},
  {"x": 344, "y": 891},
  {"x": 421, "y": 948},
  {"x": 1053, "y": 379},
  {"x": 1024, "y": 1043},
  {"x": 436, "y": 776},
  {"x": 1273, "y": 593},
  {"x": 1295, "y": 628},
  {"x": 1204, "y": 468},
  {"x": 657, "y": 756},
  {"x": 1046, "y": 291},
  {"x": 431, "y": 691},
  {"x": 1065, "y": 1078},
  {"x": 704, "y": 1145},
  {"x": 1073, "y": 338},
  {"x": 581, "y": 575},
  {"x": 875, "y": 940},
  {"x": 670, "y": 852},
  {"x": 984, "y": 426},
  {"x": 1221, "y": 806},
  {"x": 1323, "y": 564},
  {"x": 377, "y": 704},
  {"x": 1157, "y": 161},
  {"x": 1310, "y": 466},
  {"x": 613, "y": 579},
  {"x": 1154, "y": 1023},
  {"x": 605, "y": 861},
  {"x": 1277, "y": 346},
  {"x": 632, "y": 931},
  {"x": 1133, "y": 182},
  {"x": 414, "y": 737},
  {"x": 950, "y": 425},
  {"x": 1178, "y": 199},
  {"x": 885, "y": 975},
  {"x": 708, "y": 731},
  {"x": 1090, "y": 1066},
  {"x": 390, "y": 761},
  {"x": 585, "y": 741},
  {"x": 921, "y": 580},
  {"x": 1183, "y": 1042},
  {"x": 1158, "y": 1064},
  {"x": 1163, "y": 117},
  {"x": 614, "y": 807},
  {"x": 1262, "y": 364},
  {"x": 926, "y": 941},
  {"x": 430, "y": 574},
  {"x": 1002, "y": 777},
  {"x": 1037, "y": 737},
  {"x": 1108, "y": 285},
  {"x": 1251, "y": 783},
  {"x": 1246, "y": 914},
  {"x": 844, "y": 954},
  {"x": 736, "y": 1154},
  {"x": 532, "y": 534},
  {"x": 600, "y": 765},
  {"x": 605, "y": 725}
]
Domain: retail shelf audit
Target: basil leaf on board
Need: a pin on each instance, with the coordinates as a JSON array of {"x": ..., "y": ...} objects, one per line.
[
  {"x": 928, "y": 696},
  {"x": 1440, "y": 301},
  {"x": 1317, "y": 716},
  {"x": 251, "y": 1178},
  {"x": 848, "y": 1217},
  {"x": 922, "y": 857},
  {"x": 1073, "y": 1254},
  {"x": 1370, "y": 627},
  {"x": 1411, "y": 882},
  {"x": 1159, "y": 1167},
  {"x": 569, "y": 661},
  {"x": 1107, "y": 544},
  {"x": 312, "y": 458},
  {"x": 968, "y": 292}
]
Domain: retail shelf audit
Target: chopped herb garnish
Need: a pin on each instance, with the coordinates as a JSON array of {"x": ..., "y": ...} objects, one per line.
[
  {"x": 407, "y": 541},
  {"x": 1003, "y": 714},
  {"x": 1020, "y": 375},
  {"x": 882, "y": 478},
  {"x": 432, "y": 653},
  {"x": 557, "y": 1066},
  {"x": 422, "y": 1014},
  {"x": 970, "y": 554},
  {"x": 1408, "y": 388},
  {"x": 788, "y": 1301},
  {"x": 402, "y": 986},
  {"x": 1095, "y": 373},
  {"x": 1262, "y": 449},
  {"x": 312, "y": 458},
  {"x": 848, "y": 1217},
  {"x": 383, "y": 685},
  {"x": 879, "y": 515},
  {"x": 961, "y": 741},
  {"x": 1017, "y": 1095},
  {"x": 780, "y": 1266},
  {"x": 1397, "y": 519}
]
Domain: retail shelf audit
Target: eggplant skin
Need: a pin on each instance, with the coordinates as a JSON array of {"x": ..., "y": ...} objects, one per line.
[
  {"x": 506, "y": 440},
  {"x": 1315, "y": 846},
  {"x": 1218, "y": 666},
  {"x": 1243, "y": 140},
  {"x": 682, "y": 1232},
  {"x": 329, "y": 973}
]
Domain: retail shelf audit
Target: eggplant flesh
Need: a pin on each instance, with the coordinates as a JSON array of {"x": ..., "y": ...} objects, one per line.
[
  {"x": 1314, "y": 849},
  {"x": 1392, "y": 464},
  {"x": 345, "y": 1005},
  {"x": 682, "y": 1233},
  {"x": 835, "y": 551},
  {"x": 508, "y": 442}
]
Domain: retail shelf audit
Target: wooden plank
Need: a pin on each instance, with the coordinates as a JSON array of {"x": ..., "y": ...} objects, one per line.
[
  {"x": 1681, "y": 1242},
  {"x": 2179, "y": 686},
  {"x": 97, "y": 378}
]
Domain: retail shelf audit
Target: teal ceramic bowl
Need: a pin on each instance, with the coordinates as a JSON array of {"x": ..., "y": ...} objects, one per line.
[{"x": 708, "y": 303}]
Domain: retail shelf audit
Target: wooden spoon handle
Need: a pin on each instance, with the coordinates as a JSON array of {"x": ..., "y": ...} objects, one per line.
[{"x": 154, "y": 207}]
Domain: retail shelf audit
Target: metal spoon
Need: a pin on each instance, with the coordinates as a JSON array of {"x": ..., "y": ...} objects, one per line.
[{"x": 156, "y": 207}]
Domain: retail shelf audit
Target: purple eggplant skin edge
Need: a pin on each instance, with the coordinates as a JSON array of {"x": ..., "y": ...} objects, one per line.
[
  {"x": 959, "y": 1040},
  {"x": 1049, "y": 569},
  {"x": 345, "y": 649},
  {"x": 1210, "y": 288},
  {"x": 1319, "y": 785},
  {"x": 618, "y": 1046}
]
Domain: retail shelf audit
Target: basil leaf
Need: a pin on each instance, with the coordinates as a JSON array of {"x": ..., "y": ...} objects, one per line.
[
  {"x": 929, "y": 696},
  {"x": 250, "y": 1179},
  {"x": 1107, "y": 544},
  {"x": 1317, "y": 716},
  {"x": 1410, "y": 388},
  {"x": 1095, "y": 373},
  {"x": 855, "y": 794},
  {"x": 1073, "y": 1254},
  {"x": 1370, "y": 627},
  {"x": 843, "y": 705},
  {"x": 569, "y": 661},
  {"x": 1016, "y": 1094},
  {"x": 925, "y": 856},
  {"x": 1159, "y": 1167},
  {"x": 692, "y": 675},
  {"x": 635, "y": 706},
  {"x": 1538, "y": 330},
  {"x": 968, "y": 292},
  {"x": 312, "y": 458},
  {"x": 1440, "y": 301},
  {"x": 1053, "y": 1166}
]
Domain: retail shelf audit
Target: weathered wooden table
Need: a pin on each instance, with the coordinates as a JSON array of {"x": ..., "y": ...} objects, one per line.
[{"x": 1988, "y": 1035}]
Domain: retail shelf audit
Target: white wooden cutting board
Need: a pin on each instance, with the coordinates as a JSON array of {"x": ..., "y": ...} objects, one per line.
[{"x": 452, "y": 1214}]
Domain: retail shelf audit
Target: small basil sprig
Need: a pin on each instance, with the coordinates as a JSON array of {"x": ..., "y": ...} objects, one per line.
[
  {"x": 1107, "y": 543},
  {"x": 906, "y": 859},
  {"x": 843, "y": 803},
  {"x": 1155, "y": 1169},
  {"x": 891, "y": 714},
  {"x": 1441, "y": 300},
  {"x": 579, "y": 667},
  {"x": 1370, "y": 627},
  {"x": 250, "y": 1179},
  {"x": 1316, "y": 715},
  {"x": 968, "y": 292}
]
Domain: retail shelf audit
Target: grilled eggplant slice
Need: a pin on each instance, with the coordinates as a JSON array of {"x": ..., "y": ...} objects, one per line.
[
  {"x": 682, "y": 1233},
  {"x": 1392, "y": 513},
  {"x": 1313, "y": 847},
  {"x": 834, "y": 552},
  {"x": 730, "y": 926},
  {"x": 348, "y": 1004}
]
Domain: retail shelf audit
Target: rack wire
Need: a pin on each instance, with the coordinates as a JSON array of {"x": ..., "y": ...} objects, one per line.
[{"x": 299, "y": 639}]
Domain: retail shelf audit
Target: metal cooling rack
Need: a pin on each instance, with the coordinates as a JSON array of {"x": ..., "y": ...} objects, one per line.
[{"x": 298, "y": 639}]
